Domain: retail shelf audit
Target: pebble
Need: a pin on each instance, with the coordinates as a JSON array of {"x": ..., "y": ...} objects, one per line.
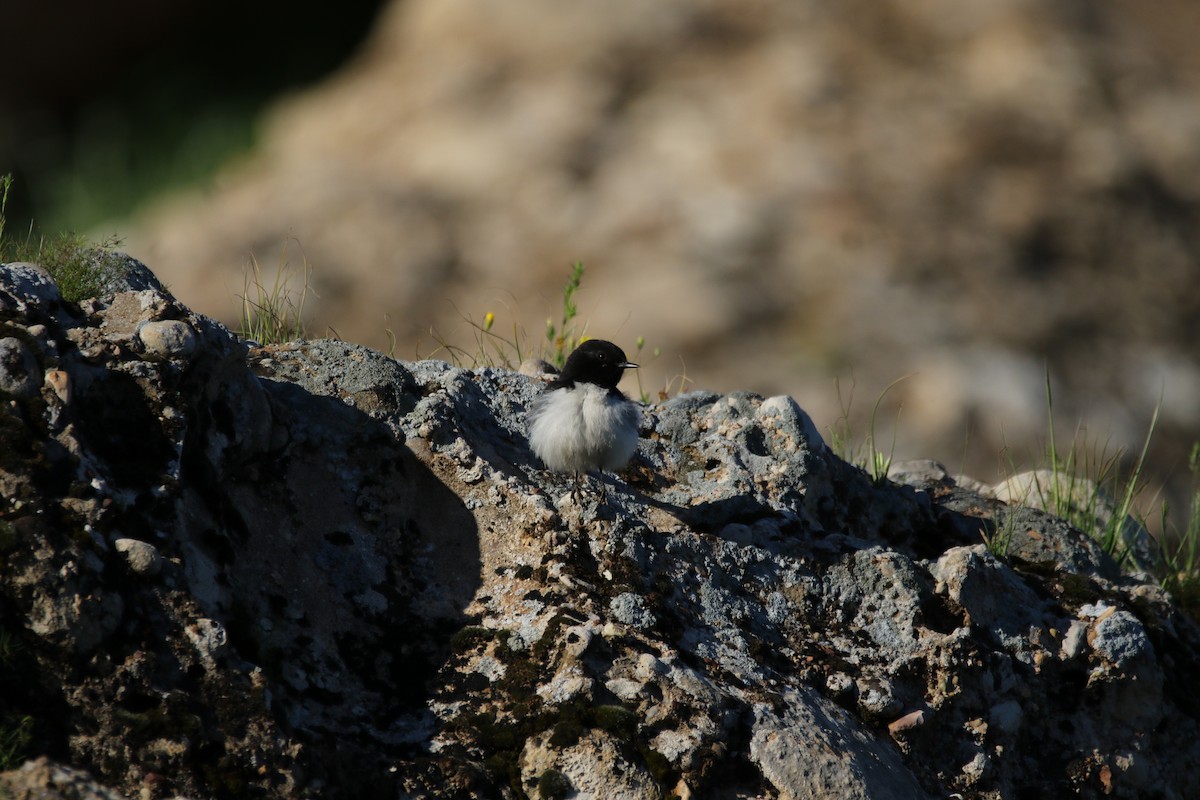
[
  {"x": 142, "y": 557},
  {"x": 168, "y": 338}
]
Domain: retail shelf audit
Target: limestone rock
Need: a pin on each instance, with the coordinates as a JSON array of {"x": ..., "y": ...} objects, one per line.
[{"x": 311, "y": 570}]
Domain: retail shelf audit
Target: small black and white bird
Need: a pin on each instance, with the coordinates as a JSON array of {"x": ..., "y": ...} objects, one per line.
[{"x": 582, "y": 421}]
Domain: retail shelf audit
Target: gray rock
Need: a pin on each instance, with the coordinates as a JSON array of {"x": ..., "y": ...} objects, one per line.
[
  {"x": 1060, "y": 492},
  {"x": 1121, "y": 639},
  {"x": 812, "y": 750},
  {"x": 630, "y": 609},
  {"x": 363, "y": 564},
  {"x": 27, "y": 289},
  {"x": 20, "y": 377},
  {"x": 996, "y": 599}
]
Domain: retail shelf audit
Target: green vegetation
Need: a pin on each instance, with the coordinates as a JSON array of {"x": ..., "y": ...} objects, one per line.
[
  {"x": 1089, "y": 489},
  {"x": 866, "y": 455},
  {"x": 1181, "y": 566},
  {"x": 495, "y": 349},
  {"x": 1096, "y": 489},
  {"x": 80, "y": 268},
  {"x": 273, "y": 312},
  {"x": 15, "y": 735},
  {"x": 553, "y": 785},
  {"x": 509, "y": 350},
  {"x": 563, "y": 339},
  {"x": 16, "y": 729}
]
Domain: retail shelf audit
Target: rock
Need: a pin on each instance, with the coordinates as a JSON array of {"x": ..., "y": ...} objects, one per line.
[
  {"x": 143, "y": 558},
  {"x": 43, "y": 779},
  {"x": 362, "y": 582},
  {"x": 685, "y": 202},
  {"x": 592, "y": 768},
  {"x": 167, "y": 338},
  {"x": 992, "y": 594},
  {"x": 630, "y": 609},
  {"x": 1087, "y": 505},
  {"x": 1120, "y": 639},
  {"x": 811, "y": 750},
  {"x": 27, "y": 288},
  {"x": 18, "y": 369}
]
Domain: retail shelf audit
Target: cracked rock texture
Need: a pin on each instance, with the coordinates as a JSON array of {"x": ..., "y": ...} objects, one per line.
[{"x": 310, "y": 570}]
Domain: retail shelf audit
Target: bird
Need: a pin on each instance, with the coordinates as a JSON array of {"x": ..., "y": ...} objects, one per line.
[{"x": 582, "y": 421}]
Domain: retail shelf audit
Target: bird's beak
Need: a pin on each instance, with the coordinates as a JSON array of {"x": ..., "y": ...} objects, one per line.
[{"x": 628, "y": 365}]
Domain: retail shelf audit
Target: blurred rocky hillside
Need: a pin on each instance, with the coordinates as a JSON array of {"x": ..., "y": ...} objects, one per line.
[{"x": 775, "y": 193}]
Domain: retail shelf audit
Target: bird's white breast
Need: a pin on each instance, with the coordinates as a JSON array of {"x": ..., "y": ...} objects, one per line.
[{"x": 582, "y": 428}]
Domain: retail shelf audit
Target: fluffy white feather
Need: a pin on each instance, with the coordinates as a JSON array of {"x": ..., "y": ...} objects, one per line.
[{"x": 583, "y": 427}]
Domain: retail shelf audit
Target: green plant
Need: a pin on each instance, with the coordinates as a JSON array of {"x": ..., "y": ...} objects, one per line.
[
  {"x": 274, "y": 313},
  {"x": 670, "y": 387},
  {"x": 553, "y": 785},
  {"x": 80, "y": 268},
  {"x": 491, "y": 349},
  {"x": 5, "y": 184},
  {"x": 1088, "y": 487},
  {"x": 562, "y": 340},
  {"x": 865, "y": 455},
  {"x": 998, "y": 538},
  {"x": 510, "y": 350},
  {"x": 15, "y": 736}
]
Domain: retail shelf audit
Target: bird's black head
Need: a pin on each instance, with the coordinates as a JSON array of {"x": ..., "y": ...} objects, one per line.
[{"x": 595, "y": 361}]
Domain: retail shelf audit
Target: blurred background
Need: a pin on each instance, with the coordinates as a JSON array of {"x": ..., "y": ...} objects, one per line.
[{"x": 780, "y": 196}]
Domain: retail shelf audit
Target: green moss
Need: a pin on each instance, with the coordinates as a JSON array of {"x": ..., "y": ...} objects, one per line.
[
  {"x": 553, "y": 785},
  {"x": 1078, "y": 589},
  {"x": 567, "y": 731},
  {"x": 617, "y": 720},
  {"x": 660, "y": 768},
  {"x": 470, "y": 637}
]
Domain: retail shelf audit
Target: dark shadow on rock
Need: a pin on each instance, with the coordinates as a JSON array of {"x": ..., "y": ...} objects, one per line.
[{"x": 339, "y": 564}]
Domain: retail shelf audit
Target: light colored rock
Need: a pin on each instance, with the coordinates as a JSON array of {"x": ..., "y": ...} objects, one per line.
[
  {"x": 43, "y": 779},
  {"x": 595, "y": 766},
  {"x": 167, "y": 338},
  {"x": 142, "y": 557}
]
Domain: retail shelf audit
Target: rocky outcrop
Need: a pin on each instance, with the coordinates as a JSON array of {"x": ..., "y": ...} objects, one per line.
[
  {"x": 777, "y": 196},
  {"x": 310, "y": 570}
]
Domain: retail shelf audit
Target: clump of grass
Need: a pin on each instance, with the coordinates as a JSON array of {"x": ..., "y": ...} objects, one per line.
[
  {"x": 16, "y": 730},
  {"x": 675, "y": 385},
  {"x": 510, "y": 349},
  {"x": 867, "y": 454},
  {"x": 1089, "y": 488},
  {"x": 80, "y": 268},
  {"x": 15, "y": 735},
  {"x": 999, "y": 539},
  {"x": 491, "y": 347},
  {"x": 273, "y": 313}
]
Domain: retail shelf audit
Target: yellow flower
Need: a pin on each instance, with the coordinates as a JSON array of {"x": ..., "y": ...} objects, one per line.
[{"x": 489, "y": 319}]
